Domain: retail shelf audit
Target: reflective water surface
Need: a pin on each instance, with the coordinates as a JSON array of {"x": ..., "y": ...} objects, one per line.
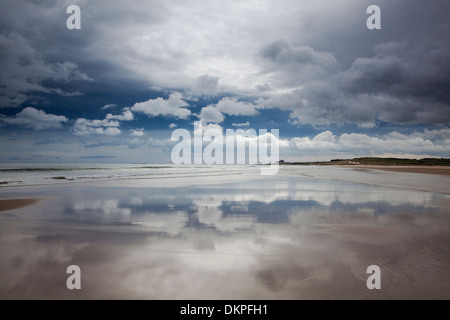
[{"x": 281, "y": 237}]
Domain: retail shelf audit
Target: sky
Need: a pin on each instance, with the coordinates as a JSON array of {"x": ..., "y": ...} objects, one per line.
[{"x": 115, "y": 90}]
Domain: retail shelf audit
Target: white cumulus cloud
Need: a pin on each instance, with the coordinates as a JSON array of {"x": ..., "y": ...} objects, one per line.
[
  {"x": 35, "y": 119},
  {"x": 100, "y": 127},
  {"x": 174, "y": 106},
  {"x": 108, "y": 106},
  {"x": 245, "y": 124},
  {"x": 436, "y": 141},
  {"x": 127, "y": 115},
  {"x": 137, "y": 133}
]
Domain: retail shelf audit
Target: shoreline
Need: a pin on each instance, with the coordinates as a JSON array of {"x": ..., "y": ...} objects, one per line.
[
  {"x": 436, "y": 170},
  {"x": 12, "y": 204},
  {"x": 278, "y": 237}
]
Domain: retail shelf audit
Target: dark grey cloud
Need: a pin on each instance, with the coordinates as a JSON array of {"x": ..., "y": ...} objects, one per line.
[
  {"x": 206, "y": 85},
  {"x": 29, "y": 57},
  {"x": 281, "y": 53},
  {"x": 410, "y": 84},
  {"x": 25, "y": 70},
  {"x": 400, "y": 83},
  {"x": 399, "y": 74},
  {"x": 289, "y": 66},
  {"x": 39, "y": 54}
]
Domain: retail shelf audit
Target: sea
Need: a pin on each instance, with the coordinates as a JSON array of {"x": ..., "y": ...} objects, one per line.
[{"x": 30, "y": 174}]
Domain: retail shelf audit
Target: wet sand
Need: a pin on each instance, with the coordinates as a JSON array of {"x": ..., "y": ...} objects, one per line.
[
  {"x": 438, "y": 170},
  {"x": 12, "y": 204},
  {"x": 243, "y": 237}
]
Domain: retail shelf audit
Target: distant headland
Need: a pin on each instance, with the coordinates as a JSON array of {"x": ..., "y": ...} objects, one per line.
[{"x": 374, "y": 161}]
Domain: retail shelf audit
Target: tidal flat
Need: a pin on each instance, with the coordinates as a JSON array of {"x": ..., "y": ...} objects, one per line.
[{"x": 305, "y": 233}]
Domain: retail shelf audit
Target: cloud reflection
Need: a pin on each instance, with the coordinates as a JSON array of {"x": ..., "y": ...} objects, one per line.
[{"x": 303, "y": 239}]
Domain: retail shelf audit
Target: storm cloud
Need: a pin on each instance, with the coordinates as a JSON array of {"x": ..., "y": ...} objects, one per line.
[{"x": 315, "y": 63}]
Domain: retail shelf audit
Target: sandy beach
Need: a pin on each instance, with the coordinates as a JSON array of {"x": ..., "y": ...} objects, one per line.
[
  {"x": 238, "y": 236},
  {"x": 11, "y": 204}
]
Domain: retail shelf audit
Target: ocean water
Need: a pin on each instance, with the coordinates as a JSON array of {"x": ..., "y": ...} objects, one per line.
[
  {"x": 140, "y": 232},
  {"x": 46, "y": 174}
]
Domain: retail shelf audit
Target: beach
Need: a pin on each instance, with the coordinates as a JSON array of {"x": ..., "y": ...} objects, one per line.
[
  {"x": 305, "y": 233},
  {"x": 225, "y": 150},
  {"x": 438, "y": 170},
  {"x": 11, "y": 204}
]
